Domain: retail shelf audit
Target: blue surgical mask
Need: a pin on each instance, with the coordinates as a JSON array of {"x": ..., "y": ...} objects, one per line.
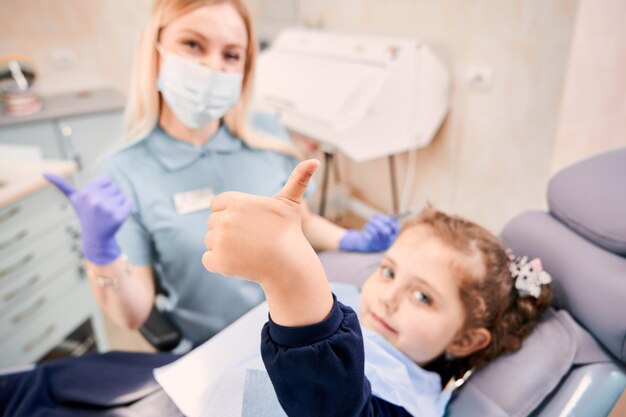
[{"x": 196, "y": 94}]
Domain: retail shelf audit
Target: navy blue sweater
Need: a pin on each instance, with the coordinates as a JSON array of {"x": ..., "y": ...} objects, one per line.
[{"x": 319, "y": 370}]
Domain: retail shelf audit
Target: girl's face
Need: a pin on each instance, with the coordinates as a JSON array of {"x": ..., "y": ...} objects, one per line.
[
  {"x": 214, "y": 36},
  {"x": 413, "y": 299}
]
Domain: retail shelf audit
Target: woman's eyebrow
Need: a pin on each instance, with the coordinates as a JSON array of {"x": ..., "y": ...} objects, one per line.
[
  {"x": 234, "y": 45},
  {"x": 195, "y": 33}
]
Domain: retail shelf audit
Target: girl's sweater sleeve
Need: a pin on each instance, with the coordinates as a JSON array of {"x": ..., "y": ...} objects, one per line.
[{"x": 318, "y": 370}]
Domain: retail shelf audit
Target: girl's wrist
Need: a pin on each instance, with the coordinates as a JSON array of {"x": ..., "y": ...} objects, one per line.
[{"x": 300, "y": 301}]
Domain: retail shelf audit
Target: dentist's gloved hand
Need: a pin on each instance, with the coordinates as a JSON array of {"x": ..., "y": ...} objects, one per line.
[
  {"x": 376, "y": 236},
  {"x": 102, "y": 208}
]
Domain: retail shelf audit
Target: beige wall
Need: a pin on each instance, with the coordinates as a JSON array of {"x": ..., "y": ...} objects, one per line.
[
  {"x": 492, "y": 156},
  {"x": 593, "y": 111},
  {"x": 491, "y": 159},
  {"x": 102, "y": 34}
]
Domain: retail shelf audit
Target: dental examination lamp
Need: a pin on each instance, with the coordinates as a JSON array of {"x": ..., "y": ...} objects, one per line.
[{"x": 366, "y": 96}]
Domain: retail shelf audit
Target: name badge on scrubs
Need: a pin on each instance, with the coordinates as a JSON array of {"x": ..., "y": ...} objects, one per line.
[{"x": 192, "y": 201}]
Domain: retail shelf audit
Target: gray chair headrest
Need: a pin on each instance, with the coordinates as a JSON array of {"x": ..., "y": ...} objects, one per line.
[
  {"x": 588, "y": 281},
  {"x": 516, "y": 384},
  {"x": 590, "y": 198}
]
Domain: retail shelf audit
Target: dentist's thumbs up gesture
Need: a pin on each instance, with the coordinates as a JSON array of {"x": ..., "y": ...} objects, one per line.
[
  {"x": 261, "y": 239},
  {"x": 102, "y": 208}
]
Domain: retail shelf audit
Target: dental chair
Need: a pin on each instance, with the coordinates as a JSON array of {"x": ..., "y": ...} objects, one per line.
[{"x": 573, "y": 364}]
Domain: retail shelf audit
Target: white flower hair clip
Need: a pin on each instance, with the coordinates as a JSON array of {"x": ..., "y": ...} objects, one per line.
[{"x": 529, "y": 276}]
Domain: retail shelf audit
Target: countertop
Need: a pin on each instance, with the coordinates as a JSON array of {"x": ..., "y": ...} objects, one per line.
[
  {"x": 70, "y": 104},
  {"x": 19, "y": 179}
]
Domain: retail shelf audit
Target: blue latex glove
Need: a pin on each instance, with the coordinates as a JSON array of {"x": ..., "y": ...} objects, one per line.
[
  {"x": 376, "y": 236},
  {"x": 102, "y": 209}
]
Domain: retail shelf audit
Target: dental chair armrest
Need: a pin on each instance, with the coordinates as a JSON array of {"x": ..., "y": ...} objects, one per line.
[
  {"x": 589, "y": 391},
  {"x": 160, "y": 332}
]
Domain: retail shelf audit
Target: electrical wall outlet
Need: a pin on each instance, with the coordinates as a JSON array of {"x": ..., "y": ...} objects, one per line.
[
  {"x": 479, "y": 77},
  {"x": 63, "y": 59}
]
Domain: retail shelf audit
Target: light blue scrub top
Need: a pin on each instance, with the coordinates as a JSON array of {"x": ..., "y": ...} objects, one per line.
[{"x": 156, "y": 168}]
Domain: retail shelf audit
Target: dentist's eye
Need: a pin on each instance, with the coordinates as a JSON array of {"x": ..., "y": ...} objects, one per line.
[
  {"x": 387, "y": 272},
  {"x": 421, "y": 297},
  {"x": 231, "y": 56},
  {"x": 192, "y": 45}
]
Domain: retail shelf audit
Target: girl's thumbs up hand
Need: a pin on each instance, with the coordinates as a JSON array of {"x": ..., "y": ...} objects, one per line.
[
  {"x": 258, "y": 238},
  {"x": 261, "y": 239}
]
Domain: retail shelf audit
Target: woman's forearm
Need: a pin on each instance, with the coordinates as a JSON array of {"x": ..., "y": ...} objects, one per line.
[
  {"x": 321, "y": 233},
  {"x": 125, "y": 293}
]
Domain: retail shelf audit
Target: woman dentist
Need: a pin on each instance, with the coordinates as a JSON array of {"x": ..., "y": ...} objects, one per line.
[{"x": 188, "y": 139}]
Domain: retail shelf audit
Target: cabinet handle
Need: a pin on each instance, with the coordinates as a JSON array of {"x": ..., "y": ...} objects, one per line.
[
  {"x": 11, "y": 295},
  {"x": 73, "y": 231},
  {"x": 29, "y": 311},
  {"x": 6, "y": 216},
  {"x": 39, "y": 339},
  {"x": 66, "y": 130},
  {"x": 79, "y": 162},
  {"x": 26, "y": 259},
  {"x": 19, "y": 236}
]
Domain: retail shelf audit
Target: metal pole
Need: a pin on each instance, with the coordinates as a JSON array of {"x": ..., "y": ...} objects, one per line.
[
  {"x": 394, "y": 190},
  {"x": 328, "y": 159}
]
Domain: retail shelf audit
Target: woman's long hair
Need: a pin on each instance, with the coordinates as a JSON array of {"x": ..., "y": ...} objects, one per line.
[{"x": 144, "y": 101}]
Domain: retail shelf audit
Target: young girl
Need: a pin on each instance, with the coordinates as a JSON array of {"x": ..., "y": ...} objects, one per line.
[{"x": 446, "y": 299}]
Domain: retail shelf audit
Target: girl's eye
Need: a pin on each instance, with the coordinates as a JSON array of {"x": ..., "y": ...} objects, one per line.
[
  {"x": 421, "y": 297},
  {"x": 387, "y": 272}
]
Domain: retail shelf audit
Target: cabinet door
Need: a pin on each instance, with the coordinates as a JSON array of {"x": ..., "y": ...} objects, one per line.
[
  {"x": 42, "y": 134},
  {"x": 89, "y": 138}
]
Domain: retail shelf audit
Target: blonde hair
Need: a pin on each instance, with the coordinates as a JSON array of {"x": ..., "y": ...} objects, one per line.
[{"x": 143, "y": 105}]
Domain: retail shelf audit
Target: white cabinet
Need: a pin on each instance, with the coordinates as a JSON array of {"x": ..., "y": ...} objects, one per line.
[
  {"x": 76, "y": 126},
  {"x": 42, "y": 134},
  {"x": 44, "y": 293}
]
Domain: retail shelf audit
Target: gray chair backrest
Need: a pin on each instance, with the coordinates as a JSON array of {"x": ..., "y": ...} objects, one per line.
[{"x": 582, "y": 243}]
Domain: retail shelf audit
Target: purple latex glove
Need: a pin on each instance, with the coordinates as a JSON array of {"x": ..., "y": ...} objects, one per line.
[
  {"x": 376, "y": 236},
  {"x": 102, "y": 209}
]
